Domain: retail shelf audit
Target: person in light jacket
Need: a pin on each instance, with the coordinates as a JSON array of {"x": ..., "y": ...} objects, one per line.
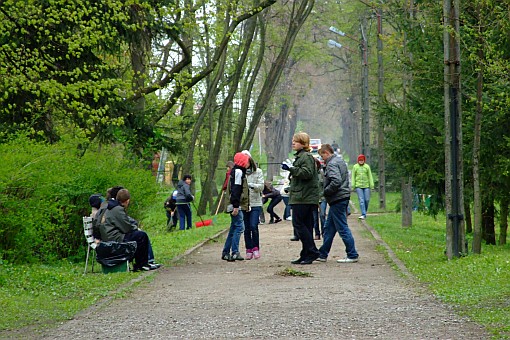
[
  {"x": 363, "y": 181},
  {"x": 255, "y": 180}
]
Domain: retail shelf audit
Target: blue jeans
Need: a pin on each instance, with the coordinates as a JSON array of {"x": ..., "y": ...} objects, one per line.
[
  {"x": 150, "y": 252},
  {"x": 234, "y": 234},
  {"x": 323, "y": 206},
  {"x": 184, "y": 211},
  {"x": 364, "y": 199},
  {"x": 337, "y": 222},
  {"x": 286, "y": 212},
  {"x": 251, "y": 228}
]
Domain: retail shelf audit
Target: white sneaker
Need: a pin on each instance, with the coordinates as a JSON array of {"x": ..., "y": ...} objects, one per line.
[
  {"x": 347, "y": 260},
  {"x": 289, "y": 218},
  {"x": 361, "y": 217}
]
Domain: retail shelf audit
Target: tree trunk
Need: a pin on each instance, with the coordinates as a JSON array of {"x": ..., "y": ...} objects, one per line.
[
  {"x": 489, "y": 231},
  {"x": 455, "y": 231},
  {"x": 477, "y": 237},
  {"x": 247, "y": 41},
  {"x": 280, "y": 127},
  {"x": 407, "y": 202},
  {"x": 215, "y": 150},
  {"x": 278, "y": 138},
  {"x": 300, "y": 14},
  {"x": 503, "y": 221},
  {"x": 469, "y": 222}
]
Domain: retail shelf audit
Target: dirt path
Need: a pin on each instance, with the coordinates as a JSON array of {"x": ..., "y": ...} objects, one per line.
[{"x": 205, "y": 297}]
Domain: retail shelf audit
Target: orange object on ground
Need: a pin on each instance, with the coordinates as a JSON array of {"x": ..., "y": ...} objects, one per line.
[{"x": 203, "y": 223}]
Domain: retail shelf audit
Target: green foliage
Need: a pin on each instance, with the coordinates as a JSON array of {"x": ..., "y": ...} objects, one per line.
[
  {"x": 58, "y": 66},
  {"x": 44, "y": 192},
  {"x": 476, "y": 284}
]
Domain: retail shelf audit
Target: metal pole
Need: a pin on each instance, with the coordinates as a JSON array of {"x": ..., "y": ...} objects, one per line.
[
  {"x": 365, "y": 115},
  {"x": 380, "y": 127}
]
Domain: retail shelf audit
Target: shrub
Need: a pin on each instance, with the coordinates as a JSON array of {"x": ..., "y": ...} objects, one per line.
[{"x": 44, "y": 192}]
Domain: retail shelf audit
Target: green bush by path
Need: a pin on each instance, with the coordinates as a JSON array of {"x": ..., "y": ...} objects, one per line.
[
  {"x": 478, "y": 285},
  {"x": 44, "y": 192}
]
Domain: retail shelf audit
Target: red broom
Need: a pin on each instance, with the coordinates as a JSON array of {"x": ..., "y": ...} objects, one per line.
[{"x": 202, "y": 223}]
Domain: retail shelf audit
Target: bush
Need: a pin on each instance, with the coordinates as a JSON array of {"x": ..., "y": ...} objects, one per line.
[{"x": 44, "y": 191}]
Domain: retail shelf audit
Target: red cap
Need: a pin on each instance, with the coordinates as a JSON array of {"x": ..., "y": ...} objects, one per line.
[{"x": 361, "y": 158}]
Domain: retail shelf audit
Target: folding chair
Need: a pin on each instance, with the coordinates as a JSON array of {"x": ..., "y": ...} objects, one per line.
[{"x": 91, "y": 244}]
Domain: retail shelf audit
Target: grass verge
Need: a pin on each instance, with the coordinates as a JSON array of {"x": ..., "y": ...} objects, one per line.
[
  {"x": 476, "y": 285},
  {"x": 37, "y": 296}
]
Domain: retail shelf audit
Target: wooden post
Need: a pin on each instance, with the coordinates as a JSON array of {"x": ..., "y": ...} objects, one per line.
[{"x": 455, "y": 232}]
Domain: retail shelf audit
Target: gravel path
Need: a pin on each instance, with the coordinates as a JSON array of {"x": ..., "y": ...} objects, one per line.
[{"x": 205, "y": 297}]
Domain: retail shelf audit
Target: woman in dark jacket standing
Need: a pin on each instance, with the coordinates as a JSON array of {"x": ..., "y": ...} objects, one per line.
[
  {"x": 303, "y": 196},
  {"x": 182, "y": 199}
]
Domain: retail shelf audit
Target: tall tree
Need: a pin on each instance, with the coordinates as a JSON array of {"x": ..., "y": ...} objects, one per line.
[{"x": 299, "y": 11}]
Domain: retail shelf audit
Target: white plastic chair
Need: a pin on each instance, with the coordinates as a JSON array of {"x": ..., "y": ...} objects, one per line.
[{"x": 91, "y": 244}]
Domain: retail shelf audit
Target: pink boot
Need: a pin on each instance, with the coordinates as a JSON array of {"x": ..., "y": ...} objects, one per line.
[
  {"x": 249, "y": 254},
  {"x": 256, "y": 253}
]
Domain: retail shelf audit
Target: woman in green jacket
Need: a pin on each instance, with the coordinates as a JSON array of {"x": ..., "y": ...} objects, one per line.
[
  {"x": 303, "y": 196},
  {"x": 363, "y": 181}
]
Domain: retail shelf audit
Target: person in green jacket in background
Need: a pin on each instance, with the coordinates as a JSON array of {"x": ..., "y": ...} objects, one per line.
[
  {"x": 303, "y": 195},
  {"x": 363, "y": 182}
]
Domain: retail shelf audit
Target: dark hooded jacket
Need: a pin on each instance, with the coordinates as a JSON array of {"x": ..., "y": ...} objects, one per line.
[
  {"x": 183, "y": 193},
  {"x": 114, "y": 222},
  {"x": 336, "y": 180},
  {"x": 304, "y": 182},
  {"x": 238, "y": 188}
]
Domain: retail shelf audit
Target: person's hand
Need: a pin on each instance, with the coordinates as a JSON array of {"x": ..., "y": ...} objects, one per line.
[
  {"x": 287, "y": 165},
  {"x": 235, "y": 212}
]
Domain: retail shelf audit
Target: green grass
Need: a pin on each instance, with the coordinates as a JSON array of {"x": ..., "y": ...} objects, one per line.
[
  {"x": 392, "y": 202},
  {"x": 41, "y": 295},
  {"x": 293, "y": 272},
  {"x": 477, "y": 285}
]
